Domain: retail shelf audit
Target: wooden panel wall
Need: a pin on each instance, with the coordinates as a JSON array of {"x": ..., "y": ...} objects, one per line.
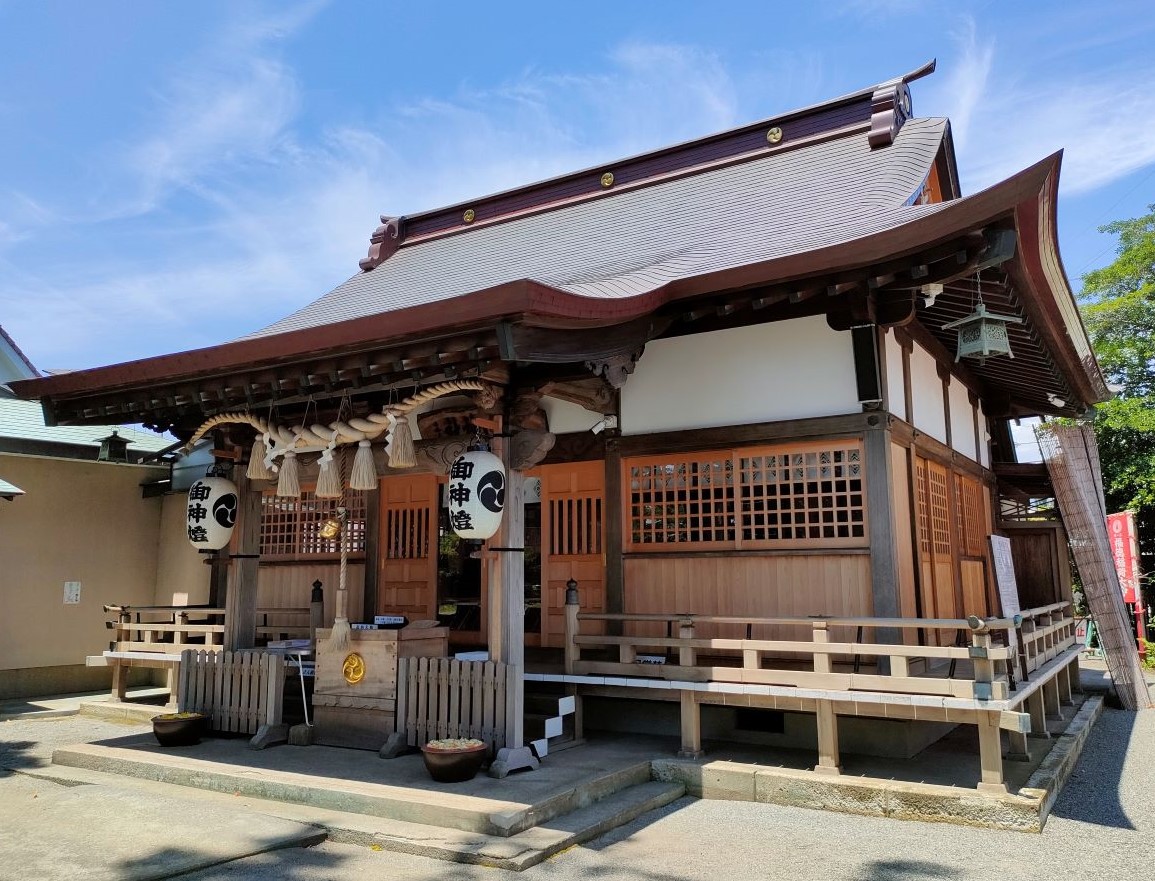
[
  {"x": 407, "y": 556},
  {"x": 573, "y": 542},
  {"x": 753, "y": 586},
  {"x": 289, "y": 586}
]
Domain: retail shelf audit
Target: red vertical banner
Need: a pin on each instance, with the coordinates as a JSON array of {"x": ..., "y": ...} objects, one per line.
[{"x": 1125, "y": 551}]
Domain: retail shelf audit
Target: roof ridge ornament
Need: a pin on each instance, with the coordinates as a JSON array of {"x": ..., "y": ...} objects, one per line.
[
  {"x": 890, "y": 107},
  {"x": 384, "y": 242}
]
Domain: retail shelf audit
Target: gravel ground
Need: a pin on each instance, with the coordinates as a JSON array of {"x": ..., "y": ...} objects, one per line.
[{"x": 1103, "y": 826}]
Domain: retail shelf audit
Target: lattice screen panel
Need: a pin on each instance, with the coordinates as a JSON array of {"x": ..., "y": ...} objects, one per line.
[
  {"x": 575, "y": 525},
  {"x": 407, "y": 532},
  {"x": 290, "y": 527},
  {"x": 802, "y": 495},
  {"x": 936, "y": 477},
  {"x": 761, "y": 497},
  {"x": 969, "y": 510}
]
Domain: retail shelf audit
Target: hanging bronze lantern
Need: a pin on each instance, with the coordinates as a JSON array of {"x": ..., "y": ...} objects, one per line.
[
  {"x": 983, "y": 334},
  {"x": 113, "y": 448}
]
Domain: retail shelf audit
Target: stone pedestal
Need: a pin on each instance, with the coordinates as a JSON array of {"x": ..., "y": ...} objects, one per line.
[{"x": 355, "y": 691}]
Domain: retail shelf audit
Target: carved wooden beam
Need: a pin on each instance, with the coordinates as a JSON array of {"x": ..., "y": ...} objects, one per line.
[
  {"x": 615, "y": 369},
  {"x": 593, "y": 394}
]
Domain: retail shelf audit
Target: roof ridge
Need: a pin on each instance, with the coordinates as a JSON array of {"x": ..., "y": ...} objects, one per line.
[
  {"x": 19, "y": 354},
  {"x": 881, "y": 108}
]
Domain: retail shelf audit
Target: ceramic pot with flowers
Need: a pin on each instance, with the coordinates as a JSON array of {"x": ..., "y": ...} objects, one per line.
[{"x": 454, "y": 759}]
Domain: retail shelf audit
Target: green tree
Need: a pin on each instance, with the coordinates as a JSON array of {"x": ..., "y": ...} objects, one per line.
[{"x": 1118, "y": 304}]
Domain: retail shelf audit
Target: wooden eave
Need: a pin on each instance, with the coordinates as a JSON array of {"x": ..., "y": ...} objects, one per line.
[{"x": 419, "y": 344}]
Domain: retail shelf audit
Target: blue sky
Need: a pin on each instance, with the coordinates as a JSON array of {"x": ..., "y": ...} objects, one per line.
[{"x": 174, "y": 175}]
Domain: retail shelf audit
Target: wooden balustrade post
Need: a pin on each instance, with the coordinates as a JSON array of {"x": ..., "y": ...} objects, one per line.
[
  {"x": 991, "y": 752},
  {"x": 572, "y": 607},
  {"x": 691, "y": 726},
  {"x": 687, "y": 656},
  {"x": 316, "y": 611},
  {"x": 829, "y": 761},
  {"x": 1038, "y": 716},
  {"x": 1063, "y": 681},
  {"x": 821, "y": 659},
  {"x": 984, "y": 667},
  {"x": 1027, "y": 632}
]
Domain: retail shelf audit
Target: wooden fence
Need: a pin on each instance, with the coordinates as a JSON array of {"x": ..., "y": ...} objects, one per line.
[
  {"x": 240, "y": 690},
  {"x": 443, "y": 697}
]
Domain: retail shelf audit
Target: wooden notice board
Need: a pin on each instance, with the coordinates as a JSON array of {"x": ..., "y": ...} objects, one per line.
[{"x": 1005, "y": 575}]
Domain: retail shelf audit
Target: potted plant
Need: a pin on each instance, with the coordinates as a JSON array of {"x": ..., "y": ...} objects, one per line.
[
  {"x": 179, "y": 729},
  {"x": 454, "y": 759}
]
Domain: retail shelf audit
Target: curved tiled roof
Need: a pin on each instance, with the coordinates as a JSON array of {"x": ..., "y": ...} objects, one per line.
[{"x": 631, "y": 243}]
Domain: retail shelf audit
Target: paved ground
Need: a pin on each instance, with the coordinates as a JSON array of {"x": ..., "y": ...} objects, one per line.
[{"x": 1103, "y": 826}]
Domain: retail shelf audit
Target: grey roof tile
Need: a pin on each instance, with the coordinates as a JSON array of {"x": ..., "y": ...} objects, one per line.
[
  {"x": 24, "y": 420},
  {"x": 633, "y": 242}
]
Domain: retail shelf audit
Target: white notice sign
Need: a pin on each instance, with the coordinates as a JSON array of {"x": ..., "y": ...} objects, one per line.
[
  {"x": 1005, "y": 575},
  {"x": 71, "y": 593}
]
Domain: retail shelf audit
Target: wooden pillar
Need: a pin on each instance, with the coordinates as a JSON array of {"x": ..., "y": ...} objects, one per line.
[
  {"x": 990, "y": 753},
  {"x": 506, "y": 606},
  {"x": 1063, "y": 681},
  {"x": 241, "y": 593},
  {"x": 1019, "y": 749},
  {"x": 615, "y": 567},
  {"x": 1038, "y": 716},
  {"x": 372, "y": 551},
  {"x": 880, "y": 514},
  {"x": 572, "y": 652},
  {"x": 1073, "y": 676},
  {"x": 1050, "y": 692},
  {"x": 506, "y": 613},
  {"x": 829, "y": 761},
  {"x": 691, "y": 726}
]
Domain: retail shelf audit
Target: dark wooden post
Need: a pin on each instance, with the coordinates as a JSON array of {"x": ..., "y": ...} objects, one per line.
[
  {"x": 241, "y": 594},
  {"x": 880, "y": 513}
]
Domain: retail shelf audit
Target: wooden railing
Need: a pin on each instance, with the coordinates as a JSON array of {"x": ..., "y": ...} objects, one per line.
[
  {"x": 166, "y": 628},
  {"x": 1014, "y": 684},
  {"x": 287, "y": 623},
  {"x": 990, "y": 671}
]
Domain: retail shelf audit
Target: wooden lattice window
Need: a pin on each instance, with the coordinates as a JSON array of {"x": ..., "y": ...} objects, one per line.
[
  {"x": 762, "y": 497},
  {"x": 575, "y": 525},
  {"x": 969, "y": 509},
  {"x": 290, "y": 527},
  {"x": 923, "y": 509},
  {"x": 939, "y": 510},
  {"x": 407, "y": 531}
]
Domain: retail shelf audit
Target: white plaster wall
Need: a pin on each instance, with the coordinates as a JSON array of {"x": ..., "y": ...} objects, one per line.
[
  {"x": 926, "y": 394},
  {"x": 892, "y": 367},
  {"x": 565, "y": 416},
  {"x": 962, "y": 420},
  {"x": 764, "y": 373}
]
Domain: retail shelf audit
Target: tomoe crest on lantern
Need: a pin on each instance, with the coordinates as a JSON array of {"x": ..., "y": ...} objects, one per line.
[
  {"x": 211, "y": 513},
  {"x": 476, "y": 494}
]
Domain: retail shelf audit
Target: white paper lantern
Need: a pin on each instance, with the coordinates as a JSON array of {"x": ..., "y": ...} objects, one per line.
[
  {"x": 211, "y": 513},
  {"x": 476, "y": 494}
]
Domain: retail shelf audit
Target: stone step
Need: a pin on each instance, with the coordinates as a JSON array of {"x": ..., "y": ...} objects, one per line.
[
  {"x": 465, "y": 809},
  {"x": 514, "y": 853}
]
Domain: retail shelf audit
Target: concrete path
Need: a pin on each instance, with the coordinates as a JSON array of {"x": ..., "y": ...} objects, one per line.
[
  {"x": 103, "y": 833},
  {"x": 1103, "y": 827}
]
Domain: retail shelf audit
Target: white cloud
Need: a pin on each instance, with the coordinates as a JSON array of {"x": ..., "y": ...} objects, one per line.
[
  {"x": 967, "y": 83},
  {"x": 285, "y": 216},
  {"x": 1005, "y": 120}
]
